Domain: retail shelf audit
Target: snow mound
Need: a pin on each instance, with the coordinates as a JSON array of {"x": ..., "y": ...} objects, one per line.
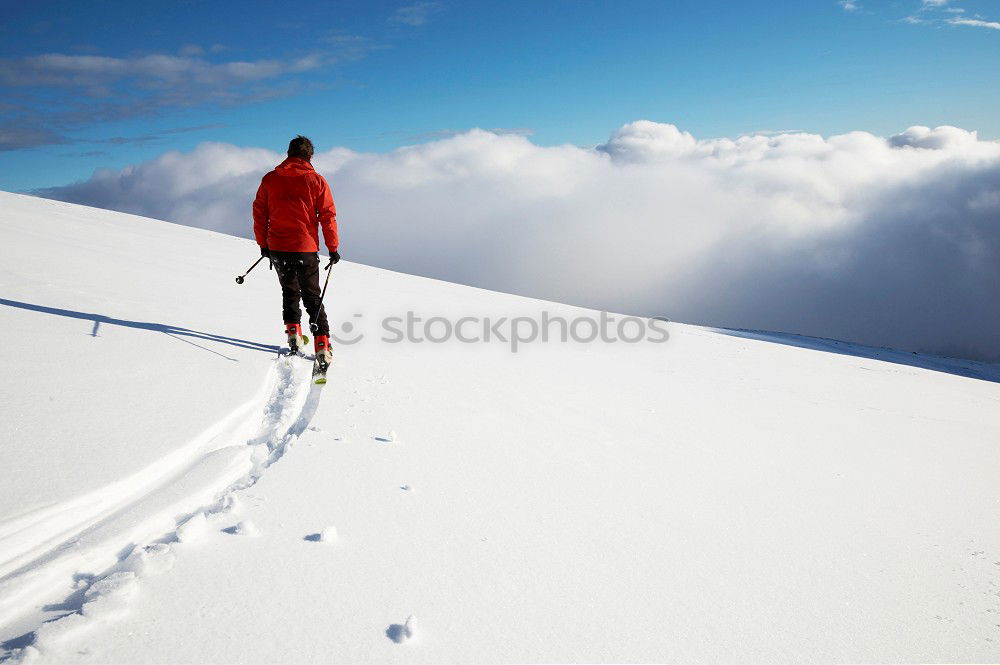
[
  {"x": 192, "y": 529},
  {"x": 108, "y": 597},
  {"x": 151, "y": 560},
  {"x": 105, "y": 600},
  {"x": 29, "y": 655}
]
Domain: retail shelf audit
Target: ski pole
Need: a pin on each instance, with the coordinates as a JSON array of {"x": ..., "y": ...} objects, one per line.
[
  {"x": 239, "y": 280},
  {"x": 319, "y": 307}
]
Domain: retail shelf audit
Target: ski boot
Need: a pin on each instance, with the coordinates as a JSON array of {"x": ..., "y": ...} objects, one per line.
[
  {"x": 324, "y": 356},
  {"x": 296, "y": 340}
]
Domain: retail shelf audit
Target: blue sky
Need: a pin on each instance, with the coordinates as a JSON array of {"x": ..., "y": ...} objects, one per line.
[{"x": 106, "y": 84}]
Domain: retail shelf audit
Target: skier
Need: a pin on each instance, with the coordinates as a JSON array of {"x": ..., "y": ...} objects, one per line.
[{"x": 291, "y": 201}]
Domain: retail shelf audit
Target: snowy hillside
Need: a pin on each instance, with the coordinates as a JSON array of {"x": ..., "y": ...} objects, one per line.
[{"x": 172, "y": 491}]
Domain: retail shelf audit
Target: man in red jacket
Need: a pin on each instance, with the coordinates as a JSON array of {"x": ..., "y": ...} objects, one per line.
[{"x": 291, "y": 202}]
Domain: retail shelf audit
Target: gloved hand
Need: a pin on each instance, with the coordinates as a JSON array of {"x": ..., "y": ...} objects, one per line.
[
  {"x": 334, "y": 258},
  {"x": 264, "y": 251}
]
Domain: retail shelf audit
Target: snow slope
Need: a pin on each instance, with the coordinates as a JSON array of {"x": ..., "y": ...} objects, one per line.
[{"x": 171, "y": 491}]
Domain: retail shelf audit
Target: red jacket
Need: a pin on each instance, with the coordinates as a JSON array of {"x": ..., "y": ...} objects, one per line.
[{"x": 290, "y": 201}]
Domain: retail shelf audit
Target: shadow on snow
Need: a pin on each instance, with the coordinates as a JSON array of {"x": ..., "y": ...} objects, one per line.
[
  {"x": 173, "y": 331},
  {"x": 968, "y": 368}
]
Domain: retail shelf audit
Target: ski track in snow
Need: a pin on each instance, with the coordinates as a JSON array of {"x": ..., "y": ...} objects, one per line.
[{"x": 126, "y": 530}]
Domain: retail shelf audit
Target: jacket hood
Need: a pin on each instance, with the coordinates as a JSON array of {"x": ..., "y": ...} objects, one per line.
[{"x": 294, "y": 166}]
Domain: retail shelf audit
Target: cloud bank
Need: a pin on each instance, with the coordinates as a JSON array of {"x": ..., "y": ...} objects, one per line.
[{"x": 885, "y": 241}]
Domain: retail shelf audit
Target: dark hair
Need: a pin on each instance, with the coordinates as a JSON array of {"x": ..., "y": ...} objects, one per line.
[{"x": 301, "y": 147}]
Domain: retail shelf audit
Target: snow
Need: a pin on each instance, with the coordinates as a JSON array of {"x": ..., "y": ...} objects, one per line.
[
  {"x": 244, "y": 528},
  {"x": 171, "y": 491},
  {"x": 154, "y": 559},
  {"x": 193, "y": 529}
]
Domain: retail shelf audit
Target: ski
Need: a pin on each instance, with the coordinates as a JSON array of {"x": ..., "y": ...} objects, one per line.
[
  {"x": 324, "y": 356},
  {"x": 288, "y": 353},
  {"x": 320, "y": 366}
]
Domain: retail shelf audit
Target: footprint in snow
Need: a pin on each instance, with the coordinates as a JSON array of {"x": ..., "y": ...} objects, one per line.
[
  {"x": 399, "y": 633},
  {"x": 230, "y": 503},
  {"x": 327, "y": 535},
  {"x": 245, "y": 528}
]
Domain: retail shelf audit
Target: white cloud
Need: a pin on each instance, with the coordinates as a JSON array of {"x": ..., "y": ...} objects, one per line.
[
  {"x": 849, "y": 5},
  {"x": 993, "y": 25},
  {"x": 938, "y": 9},
  {"x": 445, "y": 133},
  {"x": 774, "y": 132},
  {"x": 941, "y": 138},
  {"x": 91, "y": 72},
  {"x": 415, "y": 14},
  {"x": 885, "y": 241}
]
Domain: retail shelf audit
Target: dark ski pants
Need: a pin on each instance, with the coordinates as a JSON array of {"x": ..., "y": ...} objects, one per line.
[{"x": 298, "y": 274}]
